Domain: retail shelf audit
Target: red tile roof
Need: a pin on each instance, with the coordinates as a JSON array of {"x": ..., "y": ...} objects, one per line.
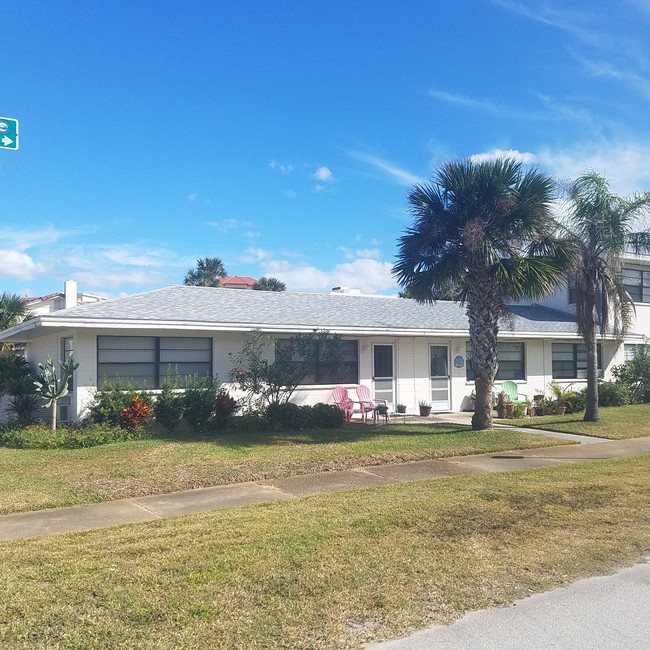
[{"x": 238, "y": 279}]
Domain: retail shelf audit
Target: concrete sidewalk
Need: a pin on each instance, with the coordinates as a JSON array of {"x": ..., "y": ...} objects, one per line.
[{"x": 112, "y": 513}]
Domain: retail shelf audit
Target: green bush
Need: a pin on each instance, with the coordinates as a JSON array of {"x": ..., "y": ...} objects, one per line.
[
  {"x": 168, "y": 407},
  {"x": 199, "y": 402},
  {"x": 40, "y": 436},
  {"x": 635, "y": 374},
  {"x": 326, "y": 416},
  {"x": 112, "y": 400},
  {"x": 287, "y": 416},
  {"x": 578, "y": 402},
  {"x": 613, "y": 394},
  {"x": 249, "y": 422}
]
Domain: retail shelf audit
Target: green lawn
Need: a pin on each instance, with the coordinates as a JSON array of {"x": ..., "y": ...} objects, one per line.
[
  {"x": 33, "y": 479},
  {"x": 616, "y": 423},
  {"x": 326, "y": 572}
]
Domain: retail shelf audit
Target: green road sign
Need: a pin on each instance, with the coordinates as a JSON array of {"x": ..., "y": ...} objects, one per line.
[{"x": 8, "y": 133}]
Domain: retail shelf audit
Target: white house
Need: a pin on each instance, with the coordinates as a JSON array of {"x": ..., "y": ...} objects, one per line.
[
  {"x": 406, "y": 352},
  {"x": 60, "y": 300}
]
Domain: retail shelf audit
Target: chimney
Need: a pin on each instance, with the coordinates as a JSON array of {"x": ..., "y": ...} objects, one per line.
[{"x": 70, "y": 294}]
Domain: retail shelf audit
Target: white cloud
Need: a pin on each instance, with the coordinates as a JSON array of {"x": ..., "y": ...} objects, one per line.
[
  {"x": 284, "y": 169},
  {"x": 323, "y": 174},
  {"x": 468, "y": 102},
  {"x": 362, "y": 253},
  {"x": 291, "y": 194},
  {"x": 193, "y": 196},
  {"x": 369, "y": 275},
  {"x": 400, "y": 176},
  {"x": 525, "y": 158},
  {"x": 129, "y": 255},
  {"x": 253, "y": 255},
  {"x": 23, "y": 240},
  {"x": 115, "y": 277},
  {"x": 19, "y": 265},
  {"x": 625, "y": 164},
  {"x": 228, "y": 225}
]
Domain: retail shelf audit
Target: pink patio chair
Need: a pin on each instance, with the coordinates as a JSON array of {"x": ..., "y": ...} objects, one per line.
[
  {"x": 343, "y": 401},
  {"x": 367, "y": 403}
]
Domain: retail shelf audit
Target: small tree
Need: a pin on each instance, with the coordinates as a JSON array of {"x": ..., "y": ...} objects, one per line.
[
  {"x": 209, "y": 272},
  {"x": 52, "y": 387},
  {"x": 269, "y": 284},
  {"x": 274, "y": 382}
]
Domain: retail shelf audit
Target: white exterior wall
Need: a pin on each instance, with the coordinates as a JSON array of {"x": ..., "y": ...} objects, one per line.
[
  {"x": 411, "y": 365},
  {"x": 641, "y": 322}
]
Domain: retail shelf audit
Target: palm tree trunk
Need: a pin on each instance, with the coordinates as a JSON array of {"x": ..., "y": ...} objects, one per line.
[
  {"x": 483, "y": 315},
  {"x": 591, "y": 410}
]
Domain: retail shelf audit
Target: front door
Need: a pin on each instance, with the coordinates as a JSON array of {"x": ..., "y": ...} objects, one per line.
[
  {"x": 382, "y": 372},
  {"x": 439, "y": 356}
]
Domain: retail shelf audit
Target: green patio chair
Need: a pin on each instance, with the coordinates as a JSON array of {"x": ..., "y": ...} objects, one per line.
[{"x": 512, "y": 392}]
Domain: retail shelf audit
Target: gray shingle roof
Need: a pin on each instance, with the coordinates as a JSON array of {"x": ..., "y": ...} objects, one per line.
[{"x": 237, "y": 308}]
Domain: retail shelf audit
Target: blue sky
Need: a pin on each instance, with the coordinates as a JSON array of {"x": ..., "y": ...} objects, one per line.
[{"x": 283, "y": 136}]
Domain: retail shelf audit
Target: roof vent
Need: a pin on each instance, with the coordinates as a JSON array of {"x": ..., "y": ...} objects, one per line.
[{"x": 346, "y": 290}]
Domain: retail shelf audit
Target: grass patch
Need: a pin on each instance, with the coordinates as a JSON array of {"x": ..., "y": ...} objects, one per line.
[
  {"x": 331, "y": 571},
  {"x": 616, "y": 422},
  {"x": 33, "y": 479}
]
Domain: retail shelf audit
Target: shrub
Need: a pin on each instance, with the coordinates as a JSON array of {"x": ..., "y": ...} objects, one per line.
[
  {"x": 110, "y": 402},
  {"x": 224, "y": 407},
  {"x": 41, "y": 436},
  {"x": 23, "y": 406},
  {"x": 249, "y": 422},
  {"x": 168, "y": 407},
  {"x": 613, "y": 394},
  {"x": 579, "y": 401},
  {"x": 199, "y": 402},
  {"x": 635, "y": 374},
  {"x": 136, "y": 414},
  {"x": 287, "y": 416},
  {"x": 326, "y": 416}
]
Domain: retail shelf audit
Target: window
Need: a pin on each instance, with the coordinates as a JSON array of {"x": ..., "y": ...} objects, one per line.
[
  {"x": 144, "y": 361},
  {"x": 511, "y": 361},
  {"x": 323, "y": 373},
  {"x": 570, "y": 360},
  {"x": 637, "y": 284},
  {"x": 630, "y": 350},
  {"x": 67, "y": 351}
]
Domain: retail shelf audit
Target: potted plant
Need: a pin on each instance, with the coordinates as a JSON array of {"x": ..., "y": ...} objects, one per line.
[
  {"x": 425, "y": 408},
  {"x": 401, "y": 408},
  {"x": 381, "y": 409},
  {"x": 539, "y": 402},
  {"x": 563, "y": 396}
]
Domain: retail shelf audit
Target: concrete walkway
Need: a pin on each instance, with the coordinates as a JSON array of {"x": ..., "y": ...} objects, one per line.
[{"x": 112, "y": 513}]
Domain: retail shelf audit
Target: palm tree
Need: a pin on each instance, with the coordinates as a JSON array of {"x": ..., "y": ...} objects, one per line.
[
  {"x": 13, "y": 310},
  {"x": 601, "y": 225},
  {"x": 269, "y": 284},
  {"x": 482, "y": 233},
  {"x": 208, "y": 273}
]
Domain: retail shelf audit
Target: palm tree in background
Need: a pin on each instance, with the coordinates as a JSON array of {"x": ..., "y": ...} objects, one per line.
[
  {"x": 13, "y": 310},
  {"x": 484, "y": 234},
  {"x": 208, "y": 273},
  {"x": 602, "y": 226},
  {"x": 269, "y": 284}
]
